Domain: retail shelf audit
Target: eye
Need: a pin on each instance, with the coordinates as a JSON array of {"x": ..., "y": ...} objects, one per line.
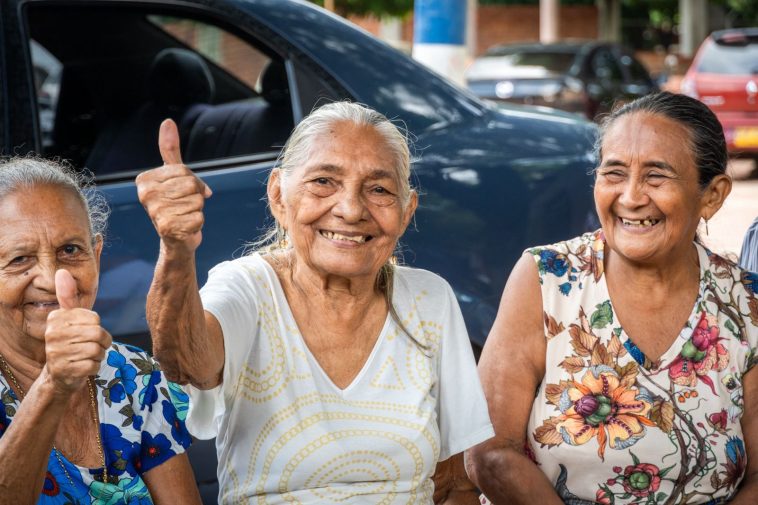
[
  {"x": 321, "y": 181},
  {"x": 19, "y": 260},
  {"x": 71, "y": 249}
]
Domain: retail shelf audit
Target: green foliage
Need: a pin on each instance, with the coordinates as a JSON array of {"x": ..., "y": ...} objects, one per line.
[{"x": 378, "y": 8}]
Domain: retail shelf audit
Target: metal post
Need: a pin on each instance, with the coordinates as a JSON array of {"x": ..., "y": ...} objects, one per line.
[
  {"x": 439, "y": 36},
  {"x": 549, "y": 11}
]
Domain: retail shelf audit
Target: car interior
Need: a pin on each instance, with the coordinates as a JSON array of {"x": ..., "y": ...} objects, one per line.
[{"x": 113, "y": 94}]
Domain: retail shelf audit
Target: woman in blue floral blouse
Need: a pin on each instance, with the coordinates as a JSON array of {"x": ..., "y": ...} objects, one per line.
[
  {"x": 639, "y": 342},
  {"x": 84, "y": 420}
]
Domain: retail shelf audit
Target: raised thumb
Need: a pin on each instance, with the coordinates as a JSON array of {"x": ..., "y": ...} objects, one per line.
[
  {"x": 168, "y": 143},
  {"x": 65, "y": 290}
]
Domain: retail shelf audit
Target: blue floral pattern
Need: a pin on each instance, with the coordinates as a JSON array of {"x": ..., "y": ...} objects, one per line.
[{"x": 136, "y": 437}]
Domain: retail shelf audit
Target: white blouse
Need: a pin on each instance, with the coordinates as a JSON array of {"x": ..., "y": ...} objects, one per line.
[{"x": 285, "y": 433}]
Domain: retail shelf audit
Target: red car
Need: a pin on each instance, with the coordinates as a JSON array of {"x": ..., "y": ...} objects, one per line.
[{"x": 724, "y": 76}]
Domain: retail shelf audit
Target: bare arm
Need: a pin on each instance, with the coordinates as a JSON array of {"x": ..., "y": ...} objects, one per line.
[
  {"x": 75, "y": 344},
  {"x": 451, "y": 484},
  {"x": 498, "y": 466},
  {"x": 173, "y": 482},
  {"x": 187, "y": 341},
  {"x": 748, "y": 493}
]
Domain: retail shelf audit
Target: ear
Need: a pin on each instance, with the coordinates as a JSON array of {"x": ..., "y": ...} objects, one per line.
[
  {"x": 275, "y": 197},
  {"x": 714, "y": 195},
  {"x": 410, "y": 209},
  {"x": 98, "y": 249}
]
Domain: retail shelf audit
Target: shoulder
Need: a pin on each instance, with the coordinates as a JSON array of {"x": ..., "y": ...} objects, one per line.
[
  {"x": 419, "y": 283},
  {"x": 571, "y": 262},
  {"x": 247, "y": 265}
]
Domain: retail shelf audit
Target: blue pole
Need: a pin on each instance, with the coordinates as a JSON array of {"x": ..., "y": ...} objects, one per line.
[{"x": 439, "y": 36}]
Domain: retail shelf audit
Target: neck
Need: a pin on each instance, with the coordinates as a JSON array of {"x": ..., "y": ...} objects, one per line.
[
  {"x": 345, "y": 296},
  {"x": 681, "y": 272},
  {"x": 26, "y": 361}
]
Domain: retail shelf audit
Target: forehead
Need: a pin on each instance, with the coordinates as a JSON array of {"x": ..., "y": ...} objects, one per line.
[
  {"x": 647, "y": 135},
  {"x": 53, "y": 207},
  {"x": 354, "y": 148}
]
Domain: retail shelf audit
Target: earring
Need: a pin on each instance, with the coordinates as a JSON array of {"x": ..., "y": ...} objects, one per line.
[{"x": 706, "y": 227}]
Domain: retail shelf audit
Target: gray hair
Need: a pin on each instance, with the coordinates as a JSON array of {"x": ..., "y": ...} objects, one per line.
[{"x": 23, "y": 173}]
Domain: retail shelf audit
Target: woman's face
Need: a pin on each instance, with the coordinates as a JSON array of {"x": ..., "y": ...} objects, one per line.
[
  {"x": 646, "y": 189},
  {"x": 342, "y": 209},
  {"x": 43, "y": 229}
]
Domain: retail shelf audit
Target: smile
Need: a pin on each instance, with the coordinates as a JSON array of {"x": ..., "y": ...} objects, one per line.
[
  {"x": 359, "y": 239},
  {"x": 640, "y": 223},
  {"x": 44, "y": 305}
]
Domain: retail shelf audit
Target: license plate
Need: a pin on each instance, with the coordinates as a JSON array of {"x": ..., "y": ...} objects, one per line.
[{"x": 745, "y": 137}]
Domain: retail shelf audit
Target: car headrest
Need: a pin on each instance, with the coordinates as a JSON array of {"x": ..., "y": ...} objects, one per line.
[
  {"x": 179, "y": 77},
  {"x": 273, "y": 83}
]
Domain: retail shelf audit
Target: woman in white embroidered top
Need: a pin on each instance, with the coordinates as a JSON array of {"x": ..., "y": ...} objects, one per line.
[{"x": 325, "y": 373}]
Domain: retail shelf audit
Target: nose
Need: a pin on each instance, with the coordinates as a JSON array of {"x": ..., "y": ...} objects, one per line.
[
  {"x": 44, "y": 274},
  {"x": 350, "y": 206},
  {"x": 634, "y": 194}
]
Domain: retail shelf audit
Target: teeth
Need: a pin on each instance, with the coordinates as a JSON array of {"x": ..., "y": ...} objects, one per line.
[
  {"x": 640, "y": 222},
  {"x": 45, "y": 304},
  {"x": 360, "y": 239}
]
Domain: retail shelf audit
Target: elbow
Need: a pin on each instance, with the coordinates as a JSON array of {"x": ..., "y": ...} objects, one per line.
[{"x": 488, "y": 464}]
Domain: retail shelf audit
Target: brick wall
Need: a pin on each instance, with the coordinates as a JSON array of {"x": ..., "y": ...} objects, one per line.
[{"x": 498, "y": 24}]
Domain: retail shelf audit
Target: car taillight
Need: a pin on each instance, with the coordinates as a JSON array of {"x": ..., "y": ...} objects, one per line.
[{"x": 687, "y": 87}]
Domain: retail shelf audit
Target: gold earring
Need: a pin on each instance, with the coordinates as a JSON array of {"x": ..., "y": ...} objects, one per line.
[{"x": 706, "y": 227}]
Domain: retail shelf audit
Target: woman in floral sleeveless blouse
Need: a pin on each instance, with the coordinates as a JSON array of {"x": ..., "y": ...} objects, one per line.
[{"x": 637, "y": 340}]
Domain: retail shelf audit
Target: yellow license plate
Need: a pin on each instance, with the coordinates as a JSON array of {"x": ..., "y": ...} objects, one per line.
[{"x": 745, "y": 137}]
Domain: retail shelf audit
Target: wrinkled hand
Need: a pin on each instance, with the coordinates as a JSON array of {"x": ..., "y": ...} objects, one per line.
[
  {"x": 172, "y": 195},
  {"x": 75, "y": 343}
]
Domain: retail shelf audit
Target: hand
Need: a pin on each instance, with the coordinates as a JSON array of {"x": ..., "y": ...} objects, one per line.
[
  {"x": 172, "y": 195},
  {"x": 75, "y": 343}
]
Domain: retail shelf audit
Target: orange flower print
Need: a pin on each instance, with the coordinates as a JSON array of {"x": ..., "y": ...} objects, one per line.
[
  {"x": 700, "y": 355},
  {"x": 601, "y": 406}
]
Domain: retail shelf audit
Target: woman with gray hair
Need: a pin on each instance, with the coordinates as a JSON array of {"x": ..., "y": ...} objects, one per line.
[
  {"x": 83, "y": 419},
  {"x": 325, "y": 372}
]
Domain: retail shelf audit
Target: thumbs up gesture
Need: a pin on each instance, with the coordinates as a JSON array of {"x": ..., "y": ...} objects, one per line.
[
  {"x": 75, "y": 343},
  {"x": 172, "y": 195}
]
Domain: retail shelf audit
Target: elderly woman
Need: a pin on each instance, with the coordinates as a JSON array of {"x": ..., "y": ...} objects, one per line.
[
  {"x": 638, "y": 341},
  {"x": 84, "y": 420},
  {"x": 326, "y": 373}
]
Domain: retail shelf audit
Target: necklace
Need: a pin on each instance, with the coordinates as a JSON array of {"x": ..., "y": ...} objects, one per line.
[{"x": 93, "y": 404}]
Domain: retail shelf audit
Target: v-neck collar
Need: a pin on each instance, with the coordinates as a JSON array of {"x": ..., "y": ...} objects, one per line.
[
  {"x": 684, "y": 334},
  {"x": 289, "y": 320}
]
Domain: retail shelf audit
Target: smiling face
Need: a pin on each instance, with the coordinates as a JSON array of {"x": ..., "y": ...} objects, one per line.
[
  {"x": 646, "y": 189},
  {"x": 342, "y": 209},
  {"x": 43, "y": 229}
]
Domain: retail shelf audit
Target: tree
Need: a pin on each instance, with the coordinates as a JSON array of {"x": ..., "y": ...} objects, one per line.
[{"x": 377, "y": 8}]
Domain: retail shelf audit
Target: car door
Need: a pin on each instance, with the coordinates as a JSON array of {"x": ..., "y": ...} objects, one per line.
[{"x": 604, "y": 80}]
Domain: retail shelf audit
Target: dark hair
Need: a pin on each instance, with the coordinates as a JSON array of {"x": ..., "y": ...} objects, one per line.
[{"x": 707, "y": 141}]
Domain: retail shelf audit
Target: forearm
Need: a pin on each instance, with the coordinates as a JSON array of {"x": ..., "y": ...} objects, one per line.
[
  {"x": 506, "y": 476},
  {"x": 176, "y": 319},
  {"x": 25, "y": 446}
]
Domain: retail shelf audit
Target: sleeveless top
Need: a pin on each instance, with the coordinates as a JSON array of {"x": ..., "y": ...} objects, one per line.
[{"x": 610, "y": 426}]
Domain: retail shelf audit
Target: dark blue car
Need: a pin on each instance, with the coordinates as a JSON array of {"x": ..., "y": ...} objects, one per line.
[{"x": 90, "y": 80}]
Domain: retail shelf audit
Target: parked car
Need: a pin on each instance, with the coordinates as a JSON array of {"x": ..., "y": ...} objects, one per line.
[
  {"x": 724, "y": 76},
  {"x": 584, "y": 77},
  {"x": 237, "y": 76}
]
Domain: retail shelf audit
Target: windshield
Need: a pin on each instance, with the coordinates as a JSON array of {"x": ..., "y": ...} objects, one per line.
[{"x": 729, "y": 59}]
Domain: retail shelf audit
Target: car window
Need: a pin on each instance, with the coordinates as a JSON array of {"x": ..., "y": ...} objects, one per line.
[
  {"x": 728, "y": 59},
  {"x": 101, "y": 96},
  {"x": 605, "y": 66}
]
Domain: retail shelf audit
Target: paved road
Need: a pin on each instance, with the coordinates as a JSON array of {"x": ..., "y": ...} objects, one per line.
[{"x": 728, "y": 226}]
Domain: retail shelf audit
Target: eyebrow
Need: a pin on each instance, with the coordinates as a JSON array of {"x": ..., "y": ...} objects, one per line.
[
  {"x": 376, "y": 174},
  {"x": 653, "y": 163}
]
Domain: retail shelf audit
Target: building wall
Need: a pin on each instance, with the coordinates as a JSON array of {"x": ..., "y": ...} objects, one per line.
[{"x": 498, "y": 24}]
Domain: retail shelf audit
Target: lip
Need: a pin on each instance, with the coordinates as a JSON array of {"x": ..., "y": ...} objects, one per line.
[
  {"x": 324, "y": 233},
  {"x": 637, "y": 229}
]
